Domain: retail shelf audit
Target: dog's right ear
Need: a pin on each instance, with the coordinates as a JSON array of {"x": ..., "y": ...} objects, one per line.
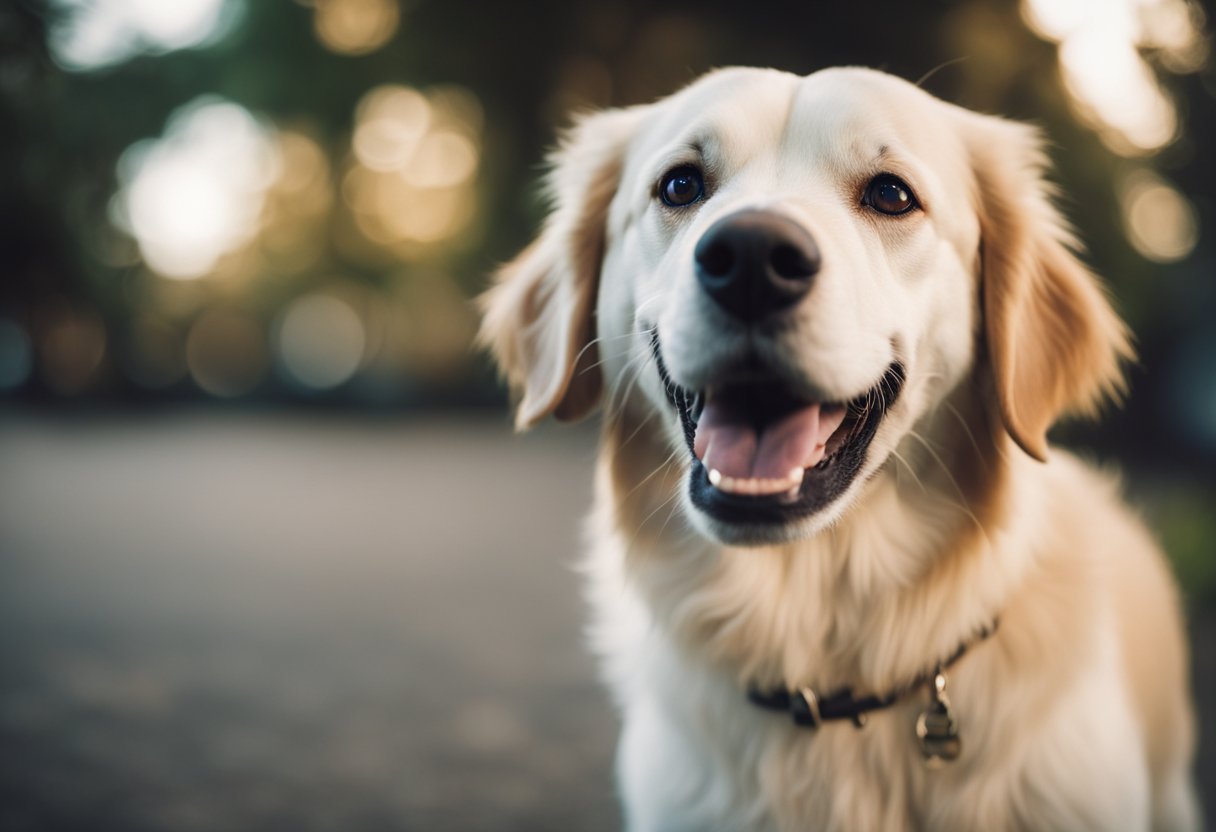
[
  {"x": 1055, "y": 344},
  {"x": 539, "y": 317}
]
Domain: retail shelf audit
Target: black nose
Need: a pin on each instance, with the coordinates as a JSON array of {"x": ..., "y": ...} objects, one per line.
[{"x": 755, "y": 263}]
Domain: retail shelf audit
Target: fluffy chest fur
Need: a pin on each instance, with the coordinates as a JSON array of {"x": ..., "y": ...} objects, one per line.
[{"x": 684, "y": 625}]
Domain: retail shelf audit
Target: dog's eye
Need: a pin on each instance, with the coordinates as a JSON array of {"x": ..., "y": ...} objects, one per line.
[
  {"x": 888, "y": 194},
  {"x": 681, "y": 186}
]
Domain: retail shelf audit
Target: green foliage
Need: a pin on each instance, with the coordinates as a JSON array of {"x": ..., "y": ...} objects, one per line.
[{"x": 1187, "y": 525}]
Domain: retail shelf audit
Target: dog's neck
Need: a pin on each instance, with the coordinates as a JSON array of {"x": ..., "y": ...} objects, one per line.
[{"x": 864, "y": 604}]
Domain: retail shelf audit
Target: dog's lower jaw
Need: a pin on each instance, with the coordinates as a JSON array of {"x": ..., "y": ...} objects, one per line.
[{"x": 767, "y": 534}]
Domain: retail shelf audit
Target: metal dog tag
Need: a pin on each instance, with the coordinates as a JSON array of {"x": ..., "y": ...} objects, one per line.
[{"x": 936, "y": 728}]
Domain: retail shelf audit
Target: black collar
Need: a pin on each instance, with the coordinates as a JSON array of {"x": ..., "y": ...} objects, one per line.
[{"x": 810, "y": 710}]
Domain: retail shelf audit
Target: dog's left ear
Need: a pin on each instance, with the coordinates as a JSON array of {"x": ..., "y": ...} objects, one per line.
[
  {"x": 538, "y": 319},
  {"x": 1054, "y": 343}
]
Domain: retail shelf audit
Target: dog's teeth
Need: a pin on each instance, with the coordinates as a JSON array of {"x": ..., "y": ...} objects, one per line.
[{"x": 757, "y": 486}]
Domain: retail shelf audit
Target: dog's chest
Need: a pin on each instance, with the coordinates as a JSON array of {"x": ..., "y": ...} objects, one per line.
[{"x": 696, "y": 755}]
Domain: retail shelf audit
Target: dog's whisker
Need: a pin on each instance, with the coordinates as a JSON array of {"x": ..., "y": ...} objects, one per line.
[
  {"x": 655, "y": 298},
  {"x": 920, "y": 82},
  {"x": 620, "y": 397},
  {"x": 670, "y": 458},
  {"x": 675, "y": 506},
  {"x": 596, "y": 342},
  {"x": 641, "y": 424},
  {"x": 962, "y": 503},
  {"x": 675, "y": 493},
  {"x": 636, "y": 362},
  {"x": 911, "y": 471},
  {"x": 967, "y": 430},
  {"x": 597, "y": 365}
]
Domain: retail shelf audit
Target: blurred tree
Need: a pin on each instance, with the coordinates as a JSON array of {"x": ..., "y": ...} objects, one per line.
[{"x": 524, "y": 68}]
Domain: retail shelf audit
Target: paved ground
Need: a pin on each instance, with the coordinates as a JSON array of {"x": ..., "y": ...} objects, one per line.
[
  {"x": 255, "y": 623},
  {"x": 261, "y": 623}
]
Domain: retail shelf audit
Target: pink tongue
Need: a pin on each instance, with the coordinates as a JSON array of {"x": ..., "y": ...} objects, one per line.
[{"x": 728, "y": 442}]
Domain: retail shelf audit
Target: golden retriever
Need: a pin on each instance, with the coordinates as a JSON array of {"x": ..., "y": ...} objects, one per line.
[{"x": 840, "y": 580}]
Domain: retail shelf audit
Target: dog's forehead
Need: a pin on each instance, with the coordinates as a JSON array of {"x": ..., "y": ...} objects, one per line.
[
  {"x": 858, "y": 111},
  {"x": 725, "y": 110},
  {"x": 834, "y": 115}
]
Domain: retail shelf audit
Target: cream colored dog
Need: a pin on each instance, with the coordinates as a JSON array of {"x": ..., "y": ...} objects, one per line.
[{"x": 832, "y": 319}]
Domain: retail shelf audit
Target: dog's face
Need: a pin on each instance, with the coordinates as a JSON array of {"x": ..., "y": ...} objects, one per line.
[
  {"x": 793, "y": 274},
  {"x": 800, "y": 254}
]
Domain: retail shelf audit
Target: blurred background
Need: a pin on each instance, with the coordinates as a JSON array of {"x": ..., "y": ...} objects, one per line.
[{"x": 270, "y": 556}]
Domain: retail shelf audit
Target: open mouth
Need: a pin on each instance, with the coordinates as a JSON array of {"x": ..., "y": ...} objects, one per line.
[{"x": 763, "y": 455}]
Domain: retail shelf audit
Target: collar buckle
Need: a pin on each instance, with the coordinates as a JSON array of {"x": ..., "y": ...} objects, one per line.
[{"x": 804, "y": 708}]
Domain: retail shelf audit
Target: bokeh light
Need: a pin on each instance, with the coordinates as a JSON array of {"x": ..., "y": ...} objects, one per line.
[
  {"x": 320, "y": 341},
  {"x": 355, "y": 27},
  {"x": 1160, "y": 222},
  {"x": 415, "y": 158},
  {"x": 156, "y": 353},
  {"x": 584, "y": 83},
  {"x": 1111, "y": 85},
  {"x": 390, "y": 121},
  {"x": 95, "y": 33},
  {"x": 196, "y": 194},
  {"x": 439, "y": 323},
  {"x": 71, "y": 347},
  {"x": 1191, "y": 404},
  {"x": 444, "y": 159},
  {"x": 1115, "y": 91},
  {"x": 297, "y": 204},
  {"x": 226, "y": 353},
  {"x": 16, "y": 355}
]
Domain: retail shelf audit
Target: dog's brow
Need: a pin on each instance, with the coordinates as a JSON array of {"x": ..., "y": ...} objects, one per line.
[
  {"x": 699, "y": 146},
  {"x": 696, "y": 149}
]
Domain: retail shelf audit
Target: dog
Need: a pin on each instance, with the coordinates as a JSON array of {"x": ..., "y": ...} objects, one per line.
[{"x": 839, "y": 579}]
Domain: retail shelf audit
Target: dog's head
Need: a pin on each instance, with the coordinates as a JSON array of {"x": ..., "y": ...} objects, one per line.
[{"x": 791, "y": 273}]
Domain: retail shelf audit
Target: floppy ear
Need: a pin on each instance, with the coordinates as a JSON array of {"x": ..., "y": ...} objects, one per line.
[
  {"x": 1054, "y": 342},
  {"x": 539, "y": 317}
]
